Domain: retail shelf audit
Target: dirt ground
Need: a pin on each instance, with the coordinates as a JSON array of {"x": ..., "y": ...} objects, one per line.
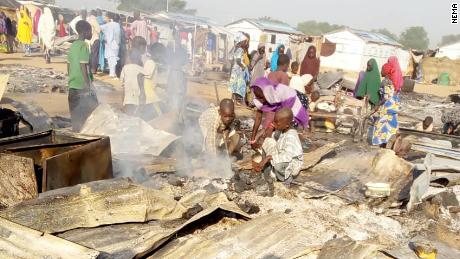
[{"x": 55, "y": 104}]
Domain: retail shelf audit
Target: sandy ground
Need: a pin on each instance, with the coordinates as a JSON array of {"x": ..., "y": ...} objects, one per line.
[{"x": 56, "y": 104}]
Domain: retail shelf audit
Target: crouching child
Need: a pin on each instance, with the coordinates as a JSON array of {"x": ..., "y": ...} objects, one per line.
[{"x": 283, "y": 154}]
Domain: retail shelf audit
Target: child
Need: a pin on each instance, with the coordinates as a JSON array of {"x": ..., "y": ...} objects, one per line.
[
  {"x": 133, "y": 79},
  {"x": 280, "y": 76},
  {"x": 294, "y": 70},
  {"x": 82, "y": 99},
  {"x": 426, "y": 125},
  {"x": 284, "y": 154}
]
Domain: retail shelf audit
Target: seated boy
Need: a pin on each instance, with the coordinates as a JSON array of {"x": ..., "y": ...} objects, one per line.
[
  {"x": 285, "y": 154},
  {"x": 426, "y": 125},
  {"x": 217, "y": 128},
  {"x": 280, "y": 76}
]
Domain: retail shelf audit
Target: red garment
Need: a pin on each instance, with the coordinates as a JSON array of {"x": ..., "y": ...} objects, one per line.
[
  {"x": 154, "y": 36},
  {"x": 310, "y": 65},
  {"x": 62, "y": 32},
  {"x": 184, "y": 35},
  {"x": 396, "y": 74},
  {"x": 387, "y": 69},
  {"x": 37, "y": 16}
]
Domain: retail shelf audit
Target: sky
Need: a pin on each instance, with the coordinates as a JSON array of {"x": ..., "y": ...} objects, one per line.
[{"x": 395, "y": 15}]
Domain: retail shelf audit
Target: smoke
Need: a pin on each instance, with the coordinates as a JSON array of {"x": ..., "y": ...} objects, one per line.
[{"x": 174, "y": 134}]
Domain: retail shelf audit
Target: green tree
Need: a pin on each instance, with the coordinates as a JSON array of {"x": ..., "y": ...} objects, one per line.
[
  {"x": 387, "y": 33},
  {"x": 448, "y": 39},
  {"x": 152, "y": 6},
  {"x": 415, "y": 38},
  {"x": 317, "y": 28}
]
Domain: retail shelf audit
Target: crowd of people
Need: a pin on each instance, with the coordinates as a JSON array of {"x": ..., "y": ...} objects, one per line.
[
  {"x": 284, "y": 92},
  {"x": 108, "y": 44}
]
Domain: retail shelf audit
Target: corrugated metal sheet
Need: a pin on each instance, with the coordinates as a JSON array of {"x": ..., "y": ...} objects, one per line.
[
  {"x": 271, "y": 26},
  {"x": 374, "y": 37},
  {"x": 9, "y": 4}
]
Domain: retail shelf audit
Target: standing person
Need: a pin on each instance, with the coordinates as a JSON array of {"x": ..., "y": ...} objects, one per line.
[
  {"x": 100, "y": 16},
  {"x": 101, "y": 21},
  {"x": 387, "y": 124},
  {"x": 153, "y": 94},
  {"x": 396, "y": 74},
  {"x": 310, "y": 65},
  {"x": 140, "y": 28},
  {"x": 62, "y": 27},
  {"x": 82, "y": 99},
  {"x": 123, "y": 48},
  {"x": 240, "y": 74},
  {"x": 82, "y": 16},
  {"x": 358, "y": 83},
  {"x": 47, "y": 32},
  {"x": 294, "y": 70},
  {"x": 270, "y": 98},
  {"x": 130, "y": 76},
  {"x": 155, "y": 35},
  {"x": 3, "y": 30},
  {"x": 25, "y": 31},
  {"x": 258, "y": 63},
  {"x": 11, "y": 32},
  {"x": 280, "y": 76},
  {"x": 370, "y": 85},
  {"x": 112, "y": 37},
  {"x": 36, "y": 20},
  {"x": 94, "y": 43},
  {"x": 275, "y": 56}
]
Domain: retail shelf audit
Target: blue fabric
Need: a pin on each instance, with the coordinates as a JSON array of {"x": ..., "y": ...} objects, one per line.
[
  {"x": 274, "y": 61},
  {"x": 101, "y": 52},
  {"x": 211, "y": 42}
]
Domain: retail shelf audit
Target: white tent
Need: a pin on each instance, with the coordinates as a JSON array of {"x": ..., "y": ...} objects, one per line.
[
  {"x": 451, "y": 51},
  {"x": 355, "y": 47}
]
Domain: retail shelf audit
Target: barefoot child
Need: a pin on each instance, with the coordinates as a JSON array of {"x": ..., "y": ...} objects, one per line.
[
  {"x": 132, "y": 77},
  {"x": 285, "y": 154}
]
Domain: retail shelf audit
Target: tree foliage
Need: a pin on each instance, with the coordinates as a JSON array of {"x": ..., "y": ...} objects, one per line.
[
  {"x": 415, "y": 38},
  {"x": 387, "y": 33},
  {"x": 449, "y": 39},
  {"x": 152, "y": 6},
  {"x": 317, "y": 28}
]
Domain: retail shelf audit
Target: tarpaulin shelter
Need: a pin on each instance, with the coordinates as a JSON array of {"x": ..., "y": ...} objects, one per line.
[
  {"x": 205, "y": 35},
  {"x": 271, "y": 33},
  {"x": 9, "y": 7},
  {"x": 451, "y": 51},
  {"x": 355, "y": 47}
]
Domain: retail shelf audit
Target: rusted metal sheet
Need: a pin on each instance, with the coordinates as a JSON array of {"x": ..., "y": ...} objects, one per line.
[
  {"x": 63, "y": 159},
  {"x": 432, "y": 135},
  {"x": 17, "y": 180},
  {"x": 17, "y": 241}
]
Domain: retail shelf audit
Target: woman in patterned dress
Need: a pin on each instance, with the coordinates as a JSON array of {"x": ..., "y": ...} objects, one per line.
[
  {"x": 387, "y": 123},
  {"x": 240, "y": 73}
]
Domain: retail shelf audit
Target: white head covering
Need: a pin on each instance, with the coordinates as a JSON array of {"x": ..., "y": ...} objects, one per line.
[
  {"x": 240, "y": 36},
  {"x": 299, "y": 82},
  {"x": 47, "y": 28}
]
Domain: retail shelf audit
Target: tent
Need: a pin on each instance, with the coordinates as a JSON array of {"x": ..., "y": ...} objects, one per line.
[{"x": 355, "y": 47}]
